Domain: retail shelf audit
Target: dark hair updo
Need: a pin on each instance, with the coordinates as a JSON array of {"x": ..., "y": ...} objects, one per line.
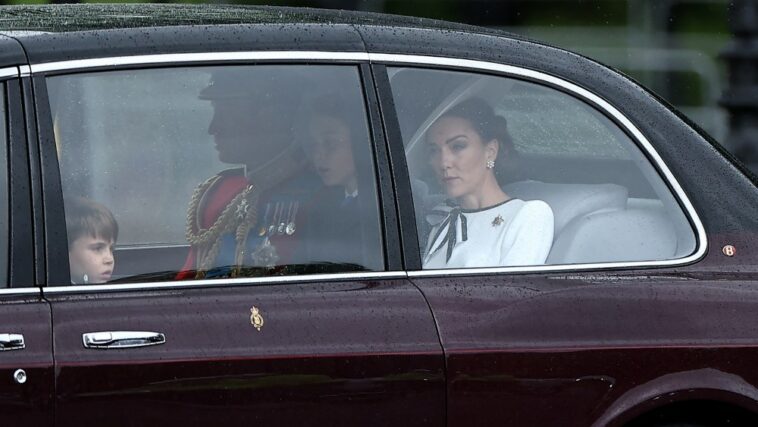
[{"x": 489, "y": 126}]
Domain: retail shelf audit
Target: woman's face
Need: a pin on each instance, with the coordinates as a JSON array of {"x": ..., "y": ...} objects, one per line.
[
  {"x": 92, "y": 256},
  {"x": 331, "y": 151},
  {"x": 459, "y": 156}
]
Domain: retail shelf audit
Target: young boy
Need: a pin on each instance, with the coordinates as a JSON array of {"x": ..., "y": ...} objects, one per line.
[{"x": 92, "y": 233}]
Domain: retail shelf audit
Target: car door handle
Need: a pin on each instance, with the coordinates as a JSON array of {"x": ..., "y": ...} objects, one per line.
[
  {"x": 122, "y": 339},
  {"x": 11, "y": 342}
]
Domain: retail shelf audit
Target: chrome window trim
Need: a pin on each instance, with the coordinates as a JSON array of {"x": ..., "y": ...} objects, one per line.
[
  {"x": 9, "y": 72},
  {"x": 210, "y": 57},
  {"x": 601, "y": 104},
  {"x": 615, "y": 266},
  {"x": 408, "y": 60},
  {"x": 20, "y": 291},
  {"x": 241, "y": 281}
]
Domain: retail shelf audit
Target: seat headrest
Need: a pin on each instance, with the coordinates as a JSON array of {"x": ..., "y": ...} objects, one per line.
[
  {"x": 423, "y": 200},
  {"x": 618, "y": 236},
  {"x": 569, "y": 201}
]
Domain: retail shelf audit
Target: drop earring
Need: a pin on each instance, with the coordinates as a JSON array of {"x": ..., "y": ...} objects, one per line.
[
  {"x": 490, "y": 164},
  {"x": 85, "y": 279}
]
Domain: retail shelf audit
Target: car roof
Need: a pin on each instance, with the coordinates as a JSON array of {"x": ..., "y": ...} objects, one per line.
[
  {"x": 65, "y": 32},
  {"x": 28, "y": 19}
]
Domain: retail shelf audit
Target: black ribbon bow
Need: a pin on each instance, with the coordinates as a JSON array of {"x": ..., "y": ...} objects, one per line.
[{"x": 451, "y": 221}]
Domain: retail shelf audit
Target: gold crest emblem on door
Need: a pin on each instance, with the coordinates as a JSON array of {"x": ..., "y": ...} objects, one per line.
[{"x": 256, "y": 319}]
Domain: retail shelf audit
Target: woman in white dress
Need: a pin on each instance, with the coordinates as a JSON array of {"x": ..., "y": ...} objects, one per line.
[{"x": 480, "y": 225}]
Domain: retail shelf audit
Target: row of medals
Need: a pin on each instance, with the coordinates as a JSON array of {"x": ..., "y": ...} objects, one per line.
[{"x": 279, "y": 219}]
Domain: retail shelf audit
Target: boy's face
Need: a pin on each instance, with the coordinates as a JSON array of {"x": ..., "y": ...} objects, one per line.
[{"x": 92, "y": 256}]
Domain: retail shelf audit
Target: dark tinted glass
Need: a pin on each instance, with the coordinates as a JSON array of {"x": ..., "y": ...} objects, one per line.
[
  {"x": 507, "y": 172},
  {"x": 212, "y": 172}
]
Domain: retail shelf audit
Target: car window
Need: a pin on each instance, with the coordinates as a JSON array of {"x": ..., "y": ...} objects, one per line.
[
  {"x": 508, "y": 172},
  {"x": 210, "y": 172},
  {"x": 3, "y": 190}
]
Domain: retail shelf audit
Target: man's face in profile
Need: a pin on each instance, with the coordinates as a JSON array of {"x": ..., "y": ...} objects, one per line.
[{"x": 245, "y": 132}]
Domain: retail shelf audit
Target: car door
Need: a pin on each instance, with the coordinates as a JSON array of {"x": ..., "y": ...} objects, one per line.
[
  {"x": 339, "y": 337},
  {"x": 601, "y": 325},
  {"x": 26, "y": 358}
]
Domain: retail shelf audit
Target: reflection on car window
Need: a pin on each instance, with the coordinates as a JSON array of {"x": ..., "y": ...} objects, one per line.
[
  {"x": 511, "y": 173},
  {"x": 215, "y": 172}
]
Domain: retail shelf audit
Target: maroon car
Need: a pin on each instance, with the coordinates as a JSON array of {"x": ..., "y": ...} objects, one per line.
[{"x": 221, "y": 215}]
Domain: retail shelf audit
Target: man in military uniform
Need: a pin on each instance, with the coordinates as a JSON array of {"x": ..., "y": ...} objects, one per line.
[{"x": 246, "y": 217}]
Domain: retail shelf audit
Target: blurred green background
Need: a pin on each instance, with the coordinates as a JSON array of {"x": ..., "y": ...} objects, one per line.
[{"x": 670, "y": 46}]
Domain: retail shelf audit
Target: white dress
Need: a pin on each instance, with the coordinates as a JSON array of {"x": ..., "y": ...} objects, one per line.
[{"x": 512, "y": 233}]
